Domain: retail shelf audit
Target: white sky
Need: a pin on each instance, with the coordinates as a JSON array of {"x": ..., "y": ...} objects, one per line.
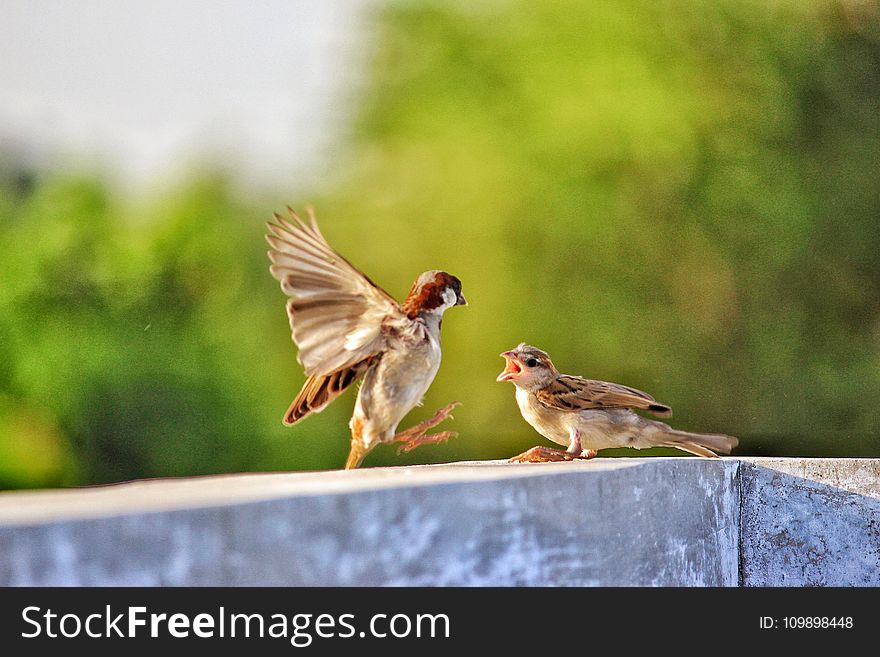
[{"x": 144, "y": 89}]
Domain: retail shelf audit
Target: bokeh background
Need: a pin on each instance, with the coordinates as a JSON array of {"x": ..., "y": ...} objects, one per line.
[{"x": 679, "y": 196}]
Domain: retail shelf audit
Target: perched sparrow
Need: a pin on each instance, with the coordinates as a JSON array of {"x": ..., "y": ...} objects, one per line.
[
  {"x": 586, "y": 416},
  {"x": 347, "y": 329}
]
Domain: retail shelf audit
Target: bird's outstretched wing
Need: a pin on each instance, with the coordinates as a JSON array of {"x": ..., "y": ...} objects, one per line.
[
  {"x": 319, "y": 391},
  {"x": 573, "y": 393},
  {"x": 336, "y": 313}
]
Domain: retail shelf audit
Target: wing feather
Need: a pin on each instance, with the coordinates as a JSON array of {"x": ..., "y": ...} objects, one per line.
[
  {"x": 319, "y": 391},
  {"x": 573, "y": 393},
  {"x": 336, "y": 312}
]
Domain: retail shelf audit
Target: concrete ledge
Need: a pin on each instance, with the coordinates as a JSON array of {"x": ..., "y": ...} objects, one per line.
[
  {"x": 810, "y": 522},
  {"x": 648, "y": 521}
]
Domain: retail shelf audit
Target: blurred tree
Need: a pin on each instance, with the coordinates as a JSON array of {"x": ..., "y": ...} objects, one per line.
[{"x": 677, "y": 196}]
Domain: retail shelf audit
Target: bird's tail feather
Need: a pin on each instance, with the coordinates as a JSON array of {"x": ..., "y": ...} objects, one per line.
[
  {"x": 358, "y": 449},
  {"x": 701, "y": 444},
  {"x": 355, "y": 456}
]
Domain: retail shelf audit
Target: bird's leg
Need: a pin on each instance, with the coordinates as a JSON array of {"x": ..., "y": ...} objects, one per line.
[
  {"x": 541, "y": 454},
  {"x": 419, "y": 429},
  {"x": 576, "y": 449},
  {"x": 415, "y": 435},
  {"x": 545, "y": 454},
  {"x": 426, "y": 440}
]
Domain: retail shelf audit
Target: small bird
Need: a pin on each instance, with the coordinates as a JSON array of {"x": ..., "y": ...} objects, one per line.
[
  {"x": 349, "y": 329},
  {"x": 586, "y": 416}
]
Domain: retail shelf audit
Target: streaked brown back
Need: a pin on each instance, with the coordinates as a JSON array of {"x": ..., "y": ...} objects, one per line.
[{"x": 573, "y": 393}]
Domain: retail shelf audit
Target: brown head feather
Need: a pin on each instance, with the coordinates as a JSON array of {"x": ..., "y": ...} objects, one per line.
[
  {"x": 427, "y": 292},
  {"x": 525, "y": 351}
]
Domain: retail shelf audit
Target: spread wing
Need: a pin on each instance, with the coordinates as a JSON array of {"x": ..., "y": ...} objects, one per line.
[
  {"x": 336, "y": 312},
  {"x": 319, "y": 391},
  {"x": 572, "y": 393}
]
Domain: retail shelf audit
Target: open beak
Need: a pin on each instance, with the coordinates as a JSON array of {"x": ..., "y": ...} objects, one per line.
[
  {"x": 461, "y": 301},
  {"x": 512, "y": 368}
]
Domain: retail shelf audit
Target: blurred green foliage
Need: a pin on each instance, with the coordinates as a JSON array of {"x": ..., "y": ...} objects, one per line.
[{"x": 677, "y": 196}]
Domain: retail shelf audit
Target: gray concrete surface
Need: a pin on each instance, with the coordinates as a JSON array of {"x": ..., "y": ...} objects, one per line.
[
  {"x": 618, "y": 522},
  {"x": 810, "y": 522}
]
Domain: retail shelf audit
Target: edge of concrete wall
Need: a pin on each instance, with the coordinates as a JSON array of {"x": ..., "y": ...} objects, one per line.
[{"x": 616, "y": 522}]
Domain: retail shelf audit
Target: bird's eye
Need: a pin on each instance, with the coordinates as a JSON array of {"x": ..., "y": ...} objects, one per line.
[{"x": 531, "y": 362}]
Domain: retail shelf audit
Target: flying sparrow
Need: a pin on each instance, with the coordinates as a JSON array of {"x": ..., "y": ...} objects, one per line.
[
  {"x": 586, "y": 416},
  {"x": 348, "y": 329}
]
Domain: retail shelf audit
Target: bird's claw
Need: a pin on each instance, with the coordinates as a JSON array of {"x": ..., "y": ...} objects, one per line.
[
  {"x": 446, "y": 410},
  {"x": 415, "y": 436},
  {"x": 433, "y": 438},
  {"x": 542, "y": 454}
]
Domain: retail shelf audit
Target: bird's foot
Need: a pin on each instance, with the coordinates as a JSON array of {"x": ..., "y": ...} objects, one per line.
[
  {"x": 419, "y": 429},
  {"x": 415, "y": 435},
  {"x": 541, "y": 454},
  {"x": 430, "y": 439}
]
